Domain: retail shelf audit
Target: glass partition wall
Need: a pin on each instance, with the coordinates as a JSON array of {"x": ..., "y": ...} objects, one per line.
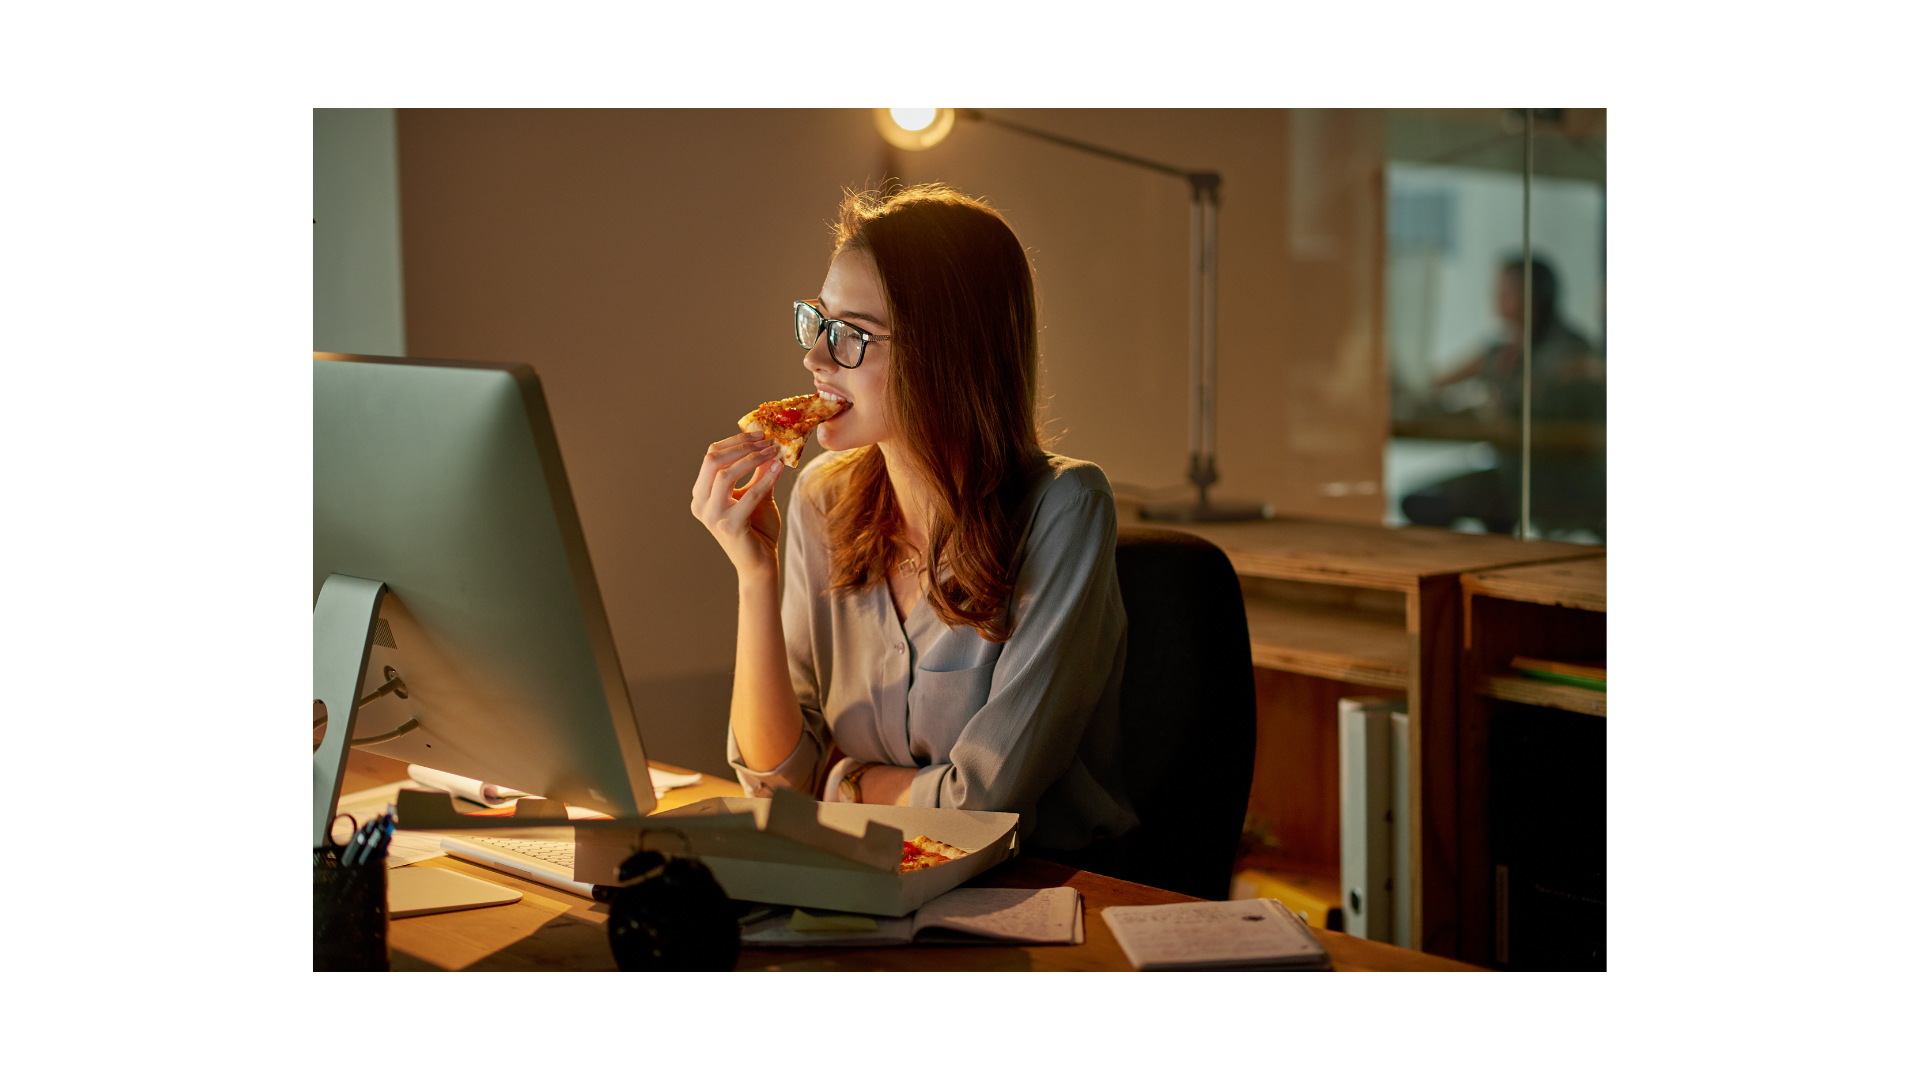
[{"x": 1480, "y": 443}]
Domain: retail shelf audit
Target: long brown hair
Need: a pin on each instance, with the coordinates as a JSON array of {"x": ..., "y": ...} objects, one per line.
[{"x": 962, "y": 383}]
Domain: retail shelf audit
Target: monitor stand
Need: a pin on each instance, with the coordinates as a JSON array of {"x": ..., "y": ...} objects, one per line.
[{"x": 343, "y": 625}]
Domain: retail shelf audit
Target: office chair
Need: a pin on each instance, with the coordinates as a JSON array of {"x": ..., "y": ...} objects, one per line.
[{"x": 1186, "y": 716}]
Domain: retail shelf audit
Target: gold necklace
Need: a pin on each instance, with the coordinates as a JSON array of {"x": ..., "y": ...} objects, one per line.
[{"x": 910, "y": 564}]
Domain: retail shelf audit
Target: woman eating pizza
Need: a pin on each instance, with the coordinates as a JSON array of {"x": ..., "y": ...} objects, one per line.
[{"x": 951, "y": 632}]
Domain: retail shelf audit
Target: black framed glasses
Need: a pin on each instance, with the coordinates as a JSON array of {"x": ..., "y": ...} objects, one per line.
[{"x": 846, "y": 343}]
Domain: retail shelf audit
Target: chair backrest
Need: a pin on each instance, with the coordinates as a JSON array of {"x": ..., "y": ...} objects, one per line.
[{"x": 1186, "y": 710}]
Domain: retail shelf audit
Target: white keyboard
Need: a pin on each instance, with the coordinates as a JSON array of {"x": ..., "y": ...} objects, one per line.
[
  {"x": 557, "y": 852},
  {"x": 549, "y": 862}
]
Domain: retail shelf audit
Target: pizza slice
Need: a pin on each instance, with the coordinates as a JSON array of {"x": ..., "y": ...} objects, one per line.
[
  {"x": 922, "y": 852},
  {"x": 790, "y": 420}
]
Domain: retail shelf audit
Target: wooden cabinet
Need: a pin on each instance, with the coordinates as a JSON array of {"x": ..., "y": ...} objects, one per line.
[
  {"x": 1533, "y": 769},
  {"x": 1337, "y": 610}
]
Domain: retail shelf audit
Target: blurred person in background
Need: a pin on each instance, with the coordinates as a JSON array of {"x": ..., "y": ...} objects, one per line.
[{"x": 1569, "y": 415}]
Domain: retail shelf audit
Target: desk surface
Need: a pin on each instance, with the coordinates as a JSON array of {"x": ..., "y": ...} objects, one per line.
[
  {"x": 551, "y": 930},
  {"x": 1368, "y": 556},
  {"x": 1577, "y": 583}
]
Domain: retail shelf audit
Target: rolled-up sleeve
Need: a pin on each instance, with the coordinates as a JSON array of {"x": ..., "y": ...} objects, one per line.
[
  {"x": 805, "y": 583},
  {"x": 1068, "y": 634}
]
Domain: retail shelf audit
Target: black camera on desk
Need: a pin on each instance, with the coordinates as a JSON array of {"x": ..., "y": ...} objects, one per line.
[{"x": 669, "y": 914}]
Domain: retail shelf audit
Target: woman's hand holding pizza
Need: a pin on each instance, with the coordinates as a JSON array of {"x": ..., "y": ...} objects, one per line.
[
  {"x": 733, "y": 498},
  {"x": 745, "y": 521}
]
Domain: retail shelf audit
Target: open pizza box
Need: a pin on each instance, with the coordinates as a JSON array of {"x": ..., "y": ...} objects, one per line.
[{"x": 785, "y": 850}]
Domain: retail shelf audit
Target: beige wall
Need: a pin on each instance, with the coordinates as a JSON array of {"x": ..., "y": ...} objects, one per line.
[
  {"x": 644, "y": 263},
  {"x": 1303, "y": 401}
]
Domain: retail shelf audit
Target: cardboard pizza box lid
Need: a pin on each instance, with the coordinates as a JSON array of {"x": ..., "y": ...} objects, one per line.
[
  {"x": 988, "y": 837},
  {"x": 785, "y": 850}
]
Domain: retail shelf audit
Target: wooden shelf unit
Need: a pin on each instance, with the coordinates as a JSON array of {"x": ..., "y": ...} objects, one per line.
[
  {"x": 1580, "y": 584},
  {"x": 1519, "y": 688},
  {"x": 1347, "y": 644},
  {"x": 1553, "y": 611},
  {"x": 1337, "y": 610}
]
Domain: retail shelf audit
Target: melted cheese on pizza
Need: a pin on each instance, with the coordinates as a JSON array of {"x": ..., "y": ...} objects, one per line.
[
  {"x": 790, "y": 420},
  {"x": 922, "y": 852}
]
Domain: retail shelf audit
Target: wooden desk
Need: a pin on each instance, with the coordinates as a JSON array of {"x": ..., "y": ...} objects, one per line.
[
  {"x": 552, "y": 930},
  {"x": 1100, "y": 952},
  {"x": 1556, "y": 611},
  {"x": 1549, "y": 436},
  {"x": 1341, "y": 610}
]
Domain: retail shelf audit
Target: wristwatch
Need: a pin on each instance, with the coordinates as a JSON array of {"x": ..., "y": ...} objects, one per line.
[{"x": 850, "y": 782}]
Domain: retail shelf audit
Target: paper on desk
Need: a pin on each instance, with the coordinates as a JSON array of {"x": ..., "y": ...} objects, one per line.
[
  {"x": 494, "y": 796},
  {"x": 664, "y": 781},
  {"x": 1037, "y": 916},
  {"x": 963, "y": 916},
  {"x": 1214, "y": 934},
  {"x": 466, "y": 787},
  {"x": 405, "y": 848}
]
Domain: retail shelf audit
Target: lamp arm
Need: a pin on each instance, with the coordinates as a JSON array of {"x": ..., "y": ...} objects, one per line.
[
  {"x": 1203, "y": 300},
  {"x": 1209, "y": 179}
]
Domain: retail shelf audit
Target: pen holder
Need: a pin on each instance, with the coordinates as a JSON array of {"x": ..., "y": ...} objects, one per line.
[{"x": 349, "y": 914}]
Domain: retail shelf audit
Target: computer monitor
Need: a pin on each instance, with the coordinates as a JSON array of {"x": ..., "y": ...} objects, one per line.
[{"x": 457, "y": 621}]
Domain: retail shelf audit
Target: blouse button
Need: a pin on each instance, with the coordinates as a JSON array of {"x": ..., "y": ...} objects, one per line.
[{"x": 899, "y": 646}]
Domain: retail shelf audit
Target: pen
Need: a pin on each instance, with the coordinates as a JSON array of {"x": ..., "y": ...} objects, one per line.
[
  {"x": 346, "y": 853},
  {"x": 356, "y": 853}
]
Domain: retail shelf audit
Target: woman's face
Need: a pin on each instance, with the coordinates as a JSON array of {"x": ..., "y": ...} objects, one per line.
[{"x": 852, "y": 294}]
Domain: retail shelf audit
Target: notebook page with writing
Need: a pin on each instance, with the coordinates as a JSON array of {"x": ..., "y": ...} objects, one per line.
[
  {"x": 1215, "y": 934},
  {"x": 1023, "y": 916},
  {"x": 960, "y": 917}
]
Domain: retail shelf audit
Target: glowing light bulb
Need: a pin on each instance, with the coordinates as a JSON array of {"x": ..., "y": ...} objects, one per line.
[
  {"x": 913, "y": 129},
  {"x": 914, "y": 119}
]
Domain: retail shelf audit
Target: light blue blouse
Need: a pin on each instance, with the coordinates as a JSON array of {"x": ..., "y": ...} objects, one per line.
[{"x": 1028, "y": 725}]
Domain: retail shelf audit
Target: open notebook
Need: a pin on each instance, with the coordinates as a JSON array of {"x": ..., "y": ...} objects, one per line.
[{"x": 960, "y": 917}]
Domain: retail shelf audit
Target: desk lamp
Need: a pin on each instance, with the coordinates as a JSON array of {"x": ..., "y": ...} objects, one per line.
[{"x": 919, "y": 129}]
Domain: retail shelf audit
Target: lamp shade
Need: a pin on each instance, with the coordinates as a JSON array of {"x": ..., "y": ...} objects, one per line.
[{"x": 913, "y": 129}]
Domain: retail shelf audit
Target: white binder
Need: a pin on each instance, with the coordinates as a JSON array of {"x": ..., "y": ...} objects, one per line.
[
  {"x": 1402, "y": 879},
  {"x": 1375, "y": 851}
]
